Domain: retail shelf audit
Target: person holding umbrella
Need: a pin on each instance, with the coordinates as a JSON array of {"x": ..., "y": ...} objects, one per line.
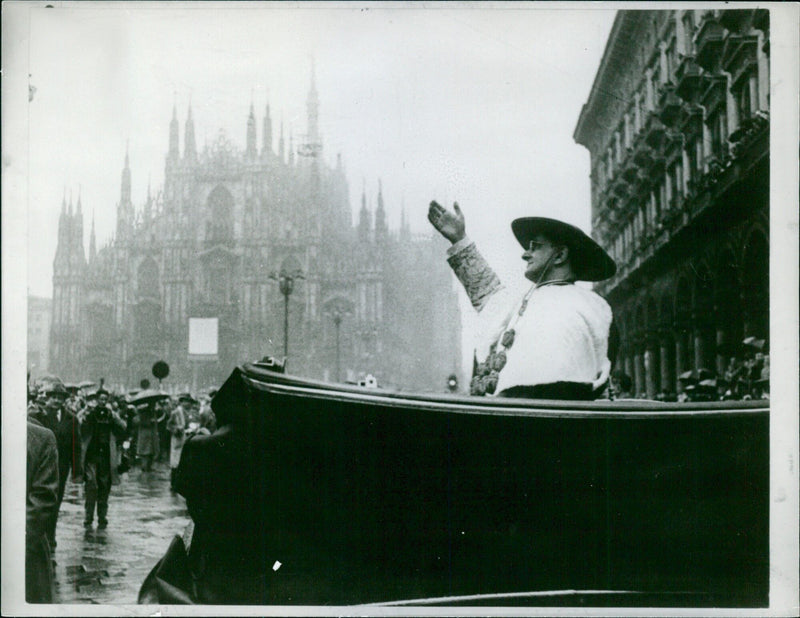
[{"x": 147, "y": 446}]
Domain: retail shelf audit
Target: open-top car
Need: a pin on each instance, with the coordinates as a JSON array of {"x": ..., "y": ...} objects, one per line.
[{"x": 370, "y": 496}]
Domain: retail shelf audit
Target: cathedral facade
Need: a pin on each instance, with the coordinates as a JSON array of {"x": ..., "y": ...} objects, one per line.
[{"x": 222, "y": 238}]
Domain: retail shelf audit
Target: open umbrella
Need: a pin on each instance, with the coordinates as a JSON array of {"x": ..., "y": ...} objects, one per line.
[
  {"x": 147, "y": 396},
  {"x": 86, "y": 384},
  {"x": 705, "y": 374},
  {"x": 754, "y": 342}
]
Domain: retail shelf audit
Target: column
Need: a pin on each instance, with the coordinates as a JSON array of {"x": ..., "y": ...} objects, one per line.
[
  {"x": 699, "y": 348},
  {"x": 638, "y": 373},
  {"x": 667, "y": 384},
  {"x": 720, "y": 357},
  {"x": 651, "y": 386},
  {"x": 680, "y": 356}
]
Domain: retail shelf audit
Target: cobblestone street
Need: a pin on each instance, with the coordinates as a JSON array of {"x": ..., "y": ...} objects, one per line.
[{"x": 108, "y": 566}]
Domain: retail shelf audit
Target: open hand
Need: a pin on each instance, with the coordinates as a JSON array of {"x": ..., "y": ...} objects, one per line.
[{"x": 448, "y": 224}]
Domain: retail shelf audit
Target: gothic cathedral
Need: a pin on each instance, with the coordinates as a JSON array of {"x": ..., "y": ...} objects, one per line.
[{"x": 216, "y": 241}]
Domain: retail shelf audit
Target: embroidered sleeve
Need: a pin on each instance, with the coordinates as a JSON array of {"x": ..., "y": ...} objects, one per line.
[{"x": 474, "y": 273}]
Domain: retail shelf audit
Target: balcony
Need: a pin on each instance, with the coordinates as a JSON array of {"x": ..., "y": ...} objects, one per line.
[
  {"x": 669, "y": 104},
  {"x": 654, "y": 131},
  {"x": 739, "y": 57},
  {"x": 630, "y": 171},
  {"x": 691, "y": 120},
  {"x": 688, "y": 77},
  {"x": 643, "y": 156},
  {"x": 673, "y": 141},
  {"x": 644, "y": 181},
  {"x": 735, "y": 20},
  {"x": 619, "y": 186},
  {"x": 708, "y": 42}
]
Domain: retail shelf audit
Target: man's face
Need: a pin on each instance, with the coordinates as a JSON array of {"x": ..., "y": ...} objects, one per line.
[
  {"x": 103, "y": 400},
  {"x": 537, "y": 255},
  {"x": 52, "y": 402}
]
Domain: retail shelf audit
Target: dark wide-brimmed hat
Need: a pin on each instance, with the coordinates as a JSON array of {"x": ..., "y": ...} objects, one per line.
[
  {"x": 54, "y": 389},
  {"x": 589, "y": 261}
]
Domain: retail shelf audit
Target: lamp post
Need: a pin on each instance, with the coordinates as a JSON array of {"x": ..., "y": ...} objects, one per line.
[
  {"x": 285, "y": 281},
  {"x": 338, "y": 308}
]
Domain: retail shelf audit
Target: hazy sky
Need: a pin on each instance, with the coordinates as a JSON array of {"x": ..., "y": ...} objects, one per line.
[{"x": 474, "y": 103}]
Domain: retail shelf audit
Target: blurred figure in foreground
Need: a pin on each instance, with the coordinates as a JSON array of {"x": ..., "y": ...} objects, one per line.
[{"x": 41, "y": 508}]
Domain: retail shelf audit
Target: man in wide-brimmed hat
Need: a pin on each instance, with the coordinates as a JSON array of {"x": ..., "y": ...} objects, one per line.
[
  {"x": 553, "y": 342},
  {"x": 58, "y": 418}
]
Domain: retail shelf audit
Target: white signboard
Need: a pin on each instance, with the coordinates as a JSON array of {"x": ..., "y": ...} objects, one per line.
[{"x": 203, "y": 337}]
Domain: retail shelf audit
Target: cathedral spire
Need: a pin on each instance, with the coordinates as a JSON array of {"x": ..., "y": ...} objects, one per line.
[
  {"x": 189, "y": 145},
  {"x": 312, "y": 108},
  {"x": 78, "y": 226},
  {"x": 364, "y": 223},
  {"x": 125, "y": 190},
  {"x": 380, "y": 215},
  {"x": 125, "y": 207},
  {"x": 173, "y": 135},
  {"x": 251, "y": 132},
  {"x": 280, "y": 143},
  {"x": 92, "y": 242},
  {"x": 266, "y": 146},
  {"x": 148, "y": 204}
]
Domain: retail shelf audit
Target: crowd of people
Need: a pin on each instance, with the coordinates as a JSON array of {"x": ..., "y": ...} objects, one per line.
[
  {"x": 744, "y": 378},
  {"x": 96, "y": 435}
]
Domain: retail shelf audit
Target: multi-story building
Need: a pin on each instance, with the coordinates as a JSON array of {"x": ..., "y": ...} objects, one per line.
[
  {"x": 39, "y": 312},
  {"x": 677, "y": 126},
  {"x": 213, "y": 244}
]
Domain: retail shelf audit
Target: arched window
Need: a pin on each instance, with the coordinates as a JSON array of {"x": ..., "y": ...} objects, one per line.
[
  {"x": 220, "y": 210},
  {"x": 147, "y": 280}
]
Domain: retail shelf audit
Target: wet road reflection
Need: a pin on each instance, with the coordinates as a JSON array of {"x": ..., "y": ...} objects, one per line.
[{"x": 108, "y": 566}]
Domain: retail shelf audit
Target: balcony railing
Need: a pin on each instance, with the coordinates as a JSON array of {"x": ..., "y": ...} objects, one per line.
[
  {"x": 669, "y": 104},
  {"x": 654, "y": 131}
]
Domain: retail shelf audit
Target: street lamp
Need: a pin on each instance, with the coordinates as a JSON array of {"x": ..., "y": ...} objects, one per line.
[
  {"x": 285, "y": 281},
  {"x": 338, "y": 308}
]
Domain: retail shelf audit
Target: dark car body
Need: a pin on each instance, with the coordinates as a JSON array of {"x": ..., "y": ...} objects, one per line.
[{"x": 392, "y": 498}]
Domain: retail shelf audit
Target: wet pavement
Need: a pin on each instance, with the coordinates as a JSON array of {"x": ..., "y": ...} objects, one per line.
[{"x": 108, "y": 566}]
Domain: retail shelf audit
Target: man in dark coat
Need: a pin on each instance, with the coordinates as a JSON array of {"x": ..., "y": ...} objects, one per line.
[
  {"x": 225, "y": 479},
  {"x": 56, "y": 417},
  {"x": 100, "y": 428},
  {"x": 41, "y": 509}
]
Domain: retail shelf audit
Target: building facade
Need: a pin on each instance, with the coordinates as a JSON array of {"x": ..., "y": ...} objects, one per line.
[
  {"x": 677, "y": 127},
  {"x": 214, "y": 243},
  {"x": 39, "y": 314}
]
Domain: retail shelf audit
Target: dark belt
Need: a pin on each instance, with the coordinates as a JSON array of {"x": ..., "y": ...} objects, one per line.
[{"x": 576, "y": 391}]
